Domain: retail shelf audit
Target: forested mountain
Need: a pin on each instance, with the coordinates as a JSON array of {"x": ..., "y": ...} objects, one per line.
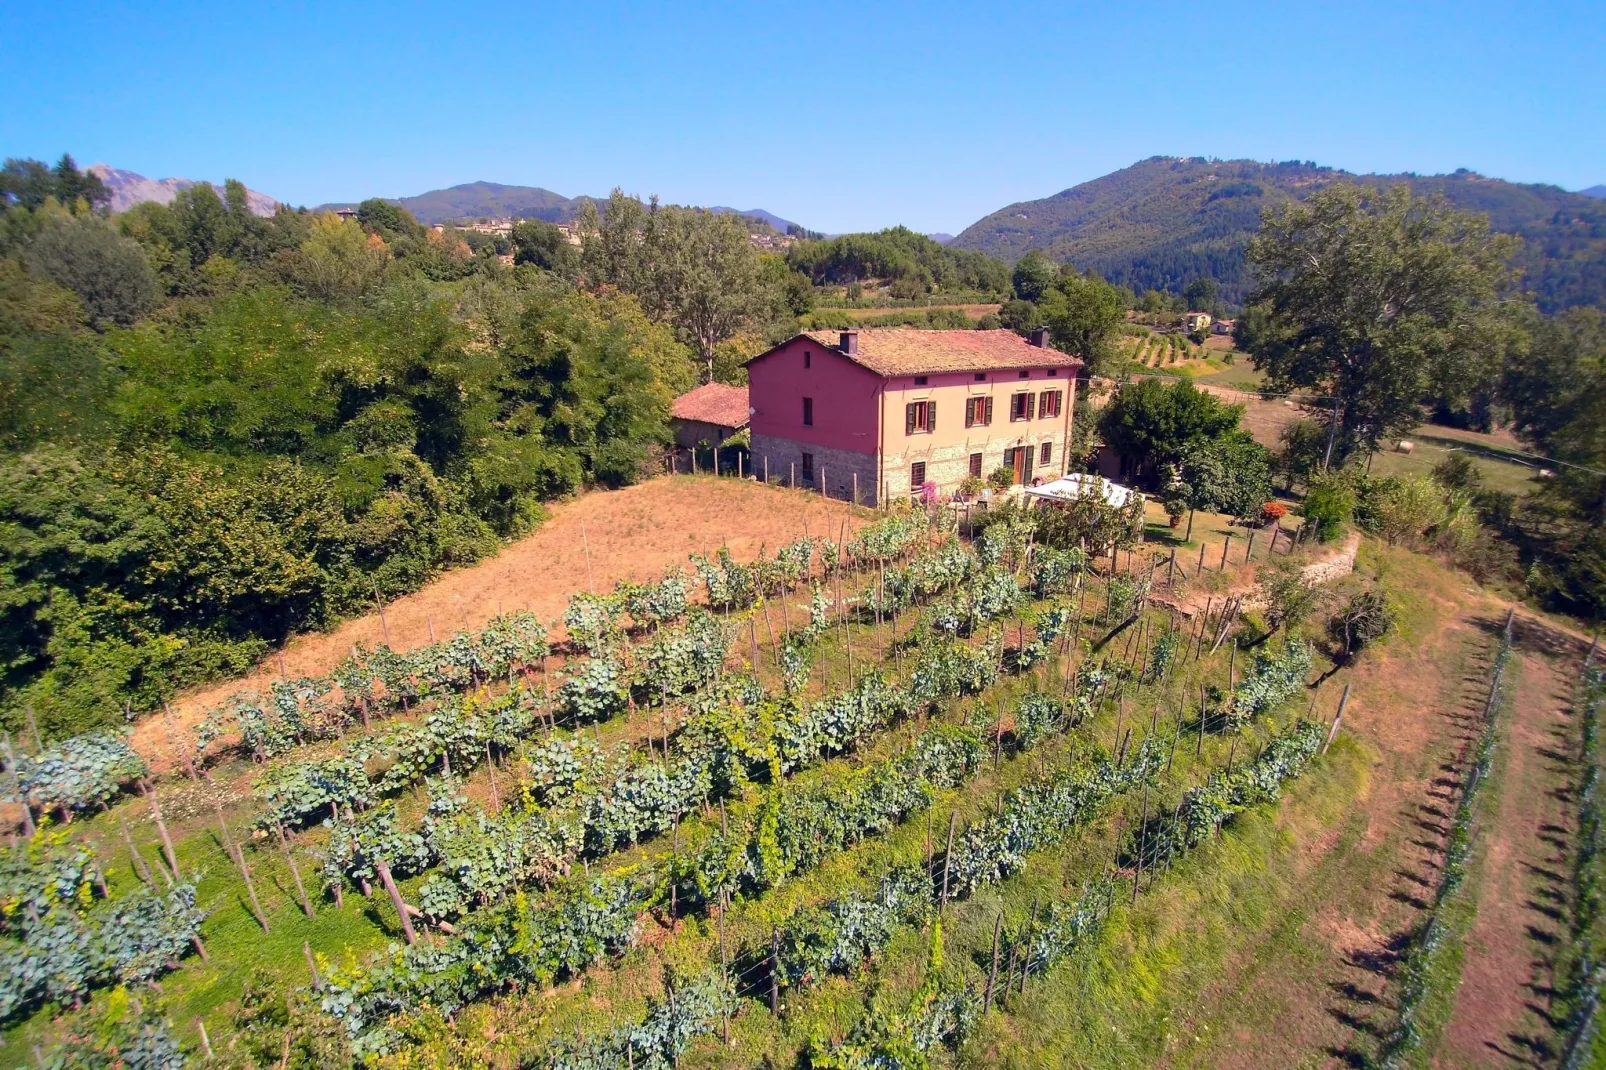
[
  {"x": 1165, "y": 221},
  {"x": 475, "y": 200}
]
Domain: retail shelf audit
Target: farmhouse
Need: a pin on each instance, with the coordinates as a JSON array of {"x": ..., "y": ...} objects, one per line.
[
  {"x": 891, "y": 413},
  {"x": 1195, "y": 321},
  {"x": 708, "y": 415}
]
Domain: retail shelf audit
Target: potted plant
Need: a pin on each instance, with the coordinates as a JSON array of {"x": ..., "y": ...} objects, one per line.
[
  {"x": 969, "y": 487},
  {"x": 1272, "y": 512},
  {"x": 1175, "y": 508},
  {"x": 1001, "y": 478}
]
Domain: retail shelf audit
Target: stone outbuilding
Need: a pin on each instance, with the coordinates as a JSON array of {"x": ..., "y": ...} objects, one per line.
[{"x": 708, "y": 415}]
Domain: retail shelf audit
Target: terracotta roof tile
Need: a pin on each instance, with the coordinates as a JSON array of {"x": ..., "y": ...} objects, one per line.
[
  {"x": 713, "y": 403},
  {"x": 906, "y": 351}
]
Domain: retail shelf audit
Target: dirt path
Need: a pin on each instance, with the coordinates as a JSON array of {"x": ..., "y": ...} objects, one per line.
[
  {"x": 595, "y": 540},
  {"x": 1500, "y": 1017}
]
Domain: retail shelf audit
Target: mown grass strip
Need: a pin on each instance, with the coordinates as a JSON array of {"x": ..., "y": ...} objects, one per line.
[{"x": 1430, "y": 967}]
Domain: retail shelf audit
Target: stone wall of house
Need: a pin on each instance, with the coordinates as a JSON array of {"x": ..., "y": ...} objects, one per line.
[{"x": 780, "y": 460}]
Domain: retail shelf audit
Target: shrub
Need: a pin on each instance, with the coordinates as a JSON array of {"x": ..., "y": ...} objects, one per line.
[
  {"x": 1457, "y": 472},
  {"x": 1366, "y": 618},
  {"x": 1001, "y": 478},
  {"x": 1328, "y": 505},
  {"x": 1273, "y": 511},
  {"x": 1404, "y": 508}
]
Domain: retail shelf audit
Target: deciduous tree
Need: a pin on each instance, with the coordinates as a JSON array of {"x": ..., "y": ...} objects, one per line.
[{"x": 1379, "y": 299}]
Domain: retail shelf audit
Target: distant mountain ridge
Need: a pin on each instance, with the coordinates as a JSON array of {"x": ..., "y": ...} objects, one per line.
[
  {"x": 493, "y": 200},
  {"x": 1594, "y": 191},
  {"x": 129, "y": 188},
  {"x": 1166, "y": 220}
]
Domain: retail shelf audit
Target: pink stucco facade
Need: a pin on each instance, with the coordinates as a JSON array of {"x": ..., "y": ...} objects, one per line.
[{"x": 859, "y": 443}]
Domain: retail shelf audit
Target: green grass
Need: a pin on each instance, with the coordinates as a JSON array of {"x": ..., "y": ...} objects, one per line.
[{"x": 1502, "y": 475}]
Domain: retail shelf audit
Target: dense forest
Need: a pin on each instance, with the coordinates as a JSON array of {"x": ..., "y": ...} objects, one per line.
[
  {"x": 912, "y": 264},
  {"x": 218, "y": 429},
  {"x": 1165, "y": 221}
]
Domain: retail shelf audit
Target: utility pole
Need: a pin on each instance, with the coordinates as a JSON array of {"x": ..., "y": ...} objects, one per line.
[{"x": 1332, "y": 432}]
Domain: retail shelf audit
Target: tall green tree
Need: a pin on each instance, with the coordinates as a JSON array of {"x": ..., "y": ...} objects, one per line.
[
  {"x": 1084, "y": 315},
  {"x": 1154, "y": 423},
  {"x": 1381, "y": 300},
  {"x": 1034, "y": 274},
  {"x": 109, "y": 272},
  {"x": 545, "y": 246}
]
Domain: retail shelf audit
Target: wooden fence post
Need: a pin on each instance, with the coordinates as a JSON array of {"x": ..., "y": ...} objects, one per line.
[
  {"x": 1171, "y": 569},
  {"x": 855, "y": 488},
  {"x": 1226, "y": 544},
  {"x": 823, "y": 493},
  {"x": 1249, "y": 552},
  {"x": 1199, "y": 569},
  {"x": 791, "y": 474}
]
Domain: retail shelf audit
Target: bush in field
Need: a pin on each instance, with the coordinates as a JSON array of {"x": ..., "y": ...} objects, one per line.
[
  {"x": 1329, "y": 505},
  {"x": 1365, "y": 618}
]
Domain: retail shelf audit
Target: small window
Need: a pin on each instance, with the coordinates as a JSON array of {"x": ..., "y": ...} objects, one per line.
[
  {"x": 808, "y": 412},
  {"x": 917, "y": 476},
  {"x": 1025, "y": 375},
  {"x": 1053, "y": 372},
  {"x": 981, "y": 377},
  {"x": 975, "y": 465},
  {"x": 919, "y": 417},
  {"x": 978, "y": 412},
  {"x": 920, "y": 380},
  {"x": 807, "y": 356},
  {"x": 1020, "y": 406},
  {"x": 1046, "y": 454},
  {"x": 1049, "y": 403},
  {"x": 808, "y": 467}
]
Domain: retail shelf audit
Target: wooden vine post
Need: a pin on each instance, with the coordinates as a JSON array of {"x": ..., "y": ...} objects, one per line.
[
  {"x": 245, "y": 871},
  {"x": 948, "y": 857},
  {"x": 396, "y": 899},
  {"x": 992, "y": 974}
]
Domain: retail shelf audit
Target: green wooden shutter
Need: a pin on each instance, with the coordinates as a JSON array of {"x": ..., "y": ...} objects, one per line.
[
  {"x": 909, "y": 419},
  {"x": 970, "y": 412},
  {"x": 1030, "y": 405},
  {"x": 989, "y": 418},
  {"x": 931, "y": 416}
]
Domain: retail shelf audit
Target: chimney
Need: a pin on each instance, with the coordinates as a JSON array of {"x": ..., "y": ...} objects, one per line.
[
  {"x": 850, "y": 343},
  {"x": 1039, "y": 337}
]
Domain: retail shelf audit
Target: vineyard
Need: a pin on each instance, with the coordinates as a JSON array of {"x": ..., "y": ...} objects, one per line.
[{"x": 848, "y": 801}]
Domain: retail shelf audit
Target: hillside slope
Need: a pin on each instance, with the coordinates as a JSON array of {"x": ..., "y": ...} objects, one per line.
[
  {"x": 1165, "y": 221},
  {"x": 476, "y": 200},
  {"x": 129, "y": 188}
]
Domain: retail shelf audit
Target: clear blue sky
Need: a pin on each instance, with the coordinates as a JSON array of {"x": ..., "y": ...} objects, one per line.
[{"x": 843, "y": 117}]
